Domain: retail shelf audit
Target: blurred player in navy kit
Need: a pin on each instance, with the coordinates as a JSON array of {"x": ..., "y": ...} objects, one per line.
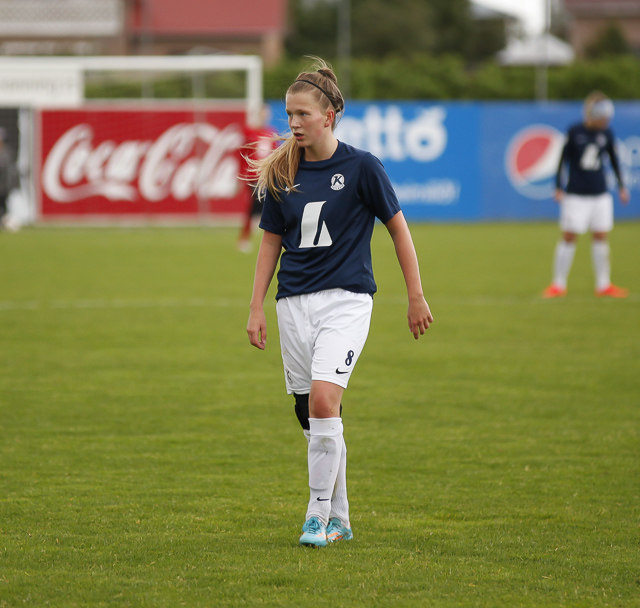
[
  {"x": 321, "y": 199},
  {"x": 585, "y": 203}
]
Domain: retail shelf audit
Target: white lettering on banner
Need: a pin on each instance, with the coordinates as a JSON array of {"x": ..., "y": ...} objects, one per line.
[
  {"x": 390, "y": 136},
  {"x": 629, "y": 152},
  {"x": 173, "y": 165},
  {"x": 48, "y": 87},
  {"x": 434, "y": 192}
]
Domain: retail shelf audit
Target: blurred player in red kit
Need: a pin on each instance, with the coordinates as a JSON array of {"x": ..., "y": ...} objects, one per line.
[{"x": 261, "y": 140}]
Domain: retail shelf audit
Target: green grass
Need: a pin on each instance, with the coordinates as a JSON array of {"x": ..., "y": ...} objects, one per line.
[{"x": 150, "y": 457}]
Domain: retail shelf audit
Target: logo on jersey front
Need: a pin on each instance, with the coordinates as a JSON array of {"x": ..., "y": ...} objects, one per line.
[
  {"x": 337, "y": 181},
  {"x": 313, "y": 231},
  {"x": 531, "y": 160}
]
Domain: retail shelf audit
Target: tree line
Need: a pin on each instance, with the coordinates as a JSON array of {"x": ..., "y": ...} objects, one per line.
[
  {"x": 449, "y": 78},
  {"x": 434, "y": 49},
  {"x": 410, "y": 49}
]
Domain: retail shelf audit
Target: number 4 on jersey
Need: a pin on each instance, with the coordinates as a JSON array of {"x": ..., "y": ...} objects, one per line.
[
  {"x": 312, "y": 234},
  {"x": 590, "y": 160}
]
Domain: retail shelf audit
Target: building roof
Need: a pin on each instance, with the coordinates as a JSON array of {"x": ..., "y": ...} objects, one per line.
[
  {"x": 42, "y": 18},
  {"x": 537, "y": 50},
  {"x": 214, "y": 17},
  {"x": 603, "y": 8},
  {"x": 481, "y": 12}
]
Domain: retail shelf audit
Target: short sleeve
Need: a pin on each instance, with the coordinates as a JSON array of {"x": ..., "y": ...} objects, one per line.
[
  {"x": 377, "y": 190},
  {"x": 272, "y": 219}
]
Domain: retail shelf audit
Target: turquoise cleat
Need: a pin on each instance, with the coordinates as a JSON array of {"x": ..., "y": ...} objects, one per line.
[
  {"x": 336, "y": 531},
  {"x": 314, "y": 533}
]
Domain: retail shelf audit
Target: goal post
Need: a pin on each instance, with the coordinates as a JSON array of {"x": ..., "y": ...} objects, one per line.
[{"x": 30, "y": 81}]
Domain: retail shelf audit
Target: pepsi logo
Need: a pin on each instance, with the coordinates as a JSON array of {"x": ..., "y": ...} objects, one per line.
[{"x": 532, "y": 158}]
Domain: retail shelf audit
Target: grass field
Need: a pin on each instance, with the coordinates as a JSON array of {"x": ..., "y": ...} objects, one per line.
[{"x": 150, "y": 457}]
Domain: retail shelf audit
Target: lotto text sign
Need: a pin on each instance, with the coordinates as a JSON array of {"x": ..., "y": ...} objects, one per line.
[{"x": 478, "y": 161}]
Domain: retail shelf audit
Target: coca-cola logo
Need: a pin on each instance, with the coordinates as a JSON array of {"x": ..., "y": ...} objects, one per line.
[{"x": 186, "y": 160}]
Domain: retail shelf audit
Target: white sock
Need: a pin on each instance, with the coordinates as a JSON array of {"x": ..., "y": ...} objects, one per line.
[
  {"x": 325, "y": 449},
  {"x": 339, "y": 501},
  {"x": 601, "y": 265},
  {"x": 562, "y": 261}
]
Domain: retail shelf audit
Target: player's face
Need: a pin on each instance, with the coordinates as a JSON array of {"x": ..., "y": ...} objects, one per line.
[{"x": 309, "y": 124}]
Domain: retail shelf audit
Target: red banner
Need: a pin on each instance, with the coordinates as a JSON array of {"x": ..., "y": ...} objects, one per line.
[{"x": 140, "y": 162}]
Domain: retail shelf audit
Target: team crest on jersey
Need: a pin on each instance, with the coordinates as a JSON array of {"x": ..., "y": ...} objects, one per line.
[{"x": 337, "y": 181}]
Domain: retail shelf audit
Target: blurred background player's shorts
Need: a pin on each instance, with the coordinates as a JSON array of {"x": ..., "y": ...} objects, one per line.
[{"x": 580, "y": 214}]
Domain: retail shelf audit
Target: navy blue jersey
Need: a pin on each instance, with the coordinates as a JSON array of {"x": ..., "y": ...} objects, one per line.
[
  {"x": 326, "y": 223},
  {"x": 583, "y": 152}
]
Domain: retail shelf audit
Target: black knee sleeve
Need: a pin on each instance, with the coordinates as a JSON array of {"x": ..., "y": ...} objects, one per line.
[{"x": 302, "y": 410}]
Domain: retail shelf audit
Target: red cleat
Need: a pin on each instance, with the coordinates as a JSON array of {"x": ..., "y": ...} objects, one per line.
[
  {"x": 612, "y": 291},
  {"x": 553, "y": 291}
]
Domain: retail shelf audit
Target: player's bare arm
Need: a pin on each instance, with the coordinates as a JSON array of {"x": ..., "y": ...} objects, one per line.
[
  {"x": 268, "y": 255},
  {"x": 419, "y": 316},
  {"x": 625, "y": 197}
]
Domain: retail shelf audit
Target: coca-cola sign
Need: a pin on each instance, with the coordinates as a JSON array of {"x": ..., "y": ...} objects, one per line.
[{"x": 140, "y": 162}]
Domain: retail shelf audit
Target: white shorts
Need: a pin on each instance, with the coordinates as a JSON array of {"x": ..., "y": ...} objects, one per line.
[
  {"x": 321, "y": 336},
  {"x": 579, "y": 214}
]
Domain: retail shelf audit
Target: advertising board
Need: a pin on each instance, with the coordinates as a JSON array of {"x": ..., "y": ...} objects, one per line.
[
  {"x": 455, "y": 161},
  {"x": 470, "y": 161},
  {"x": 140, "y": 162},
  {"x": 520, "y": 146}
]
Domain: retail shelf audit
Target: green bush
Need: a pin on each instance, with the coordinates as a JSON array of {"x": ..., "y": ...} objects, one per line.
[
  {"x": 447, "y": 77},
  {"x": 422, "y": 76},
  {"x": 618, "y": 77},
  {"x": 223, "y": 85}
]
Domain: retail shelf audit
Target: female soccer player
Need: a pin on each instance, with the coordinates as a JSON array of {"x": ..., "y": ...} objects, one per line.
[
  {"x": 321, "y": 198},
  {"x": 586, "y": 204}
]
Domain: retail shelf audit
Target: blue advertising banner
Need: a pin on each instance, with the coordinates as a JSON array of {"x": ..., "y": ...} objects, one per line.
[
  {"x": 429, "y": 152},
  {"x": 519, "y": 150},
  {"x": 470, "y": 161}
]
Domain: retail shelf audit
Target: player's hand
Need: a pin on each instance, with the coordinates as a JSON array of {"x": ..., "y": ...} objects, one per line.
[
  {"x": 558, "y": 195},
  {"x": 625, "y": 197},
  {"x": 419, "y": 316},
  {"x": 257, "y": 329}
]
